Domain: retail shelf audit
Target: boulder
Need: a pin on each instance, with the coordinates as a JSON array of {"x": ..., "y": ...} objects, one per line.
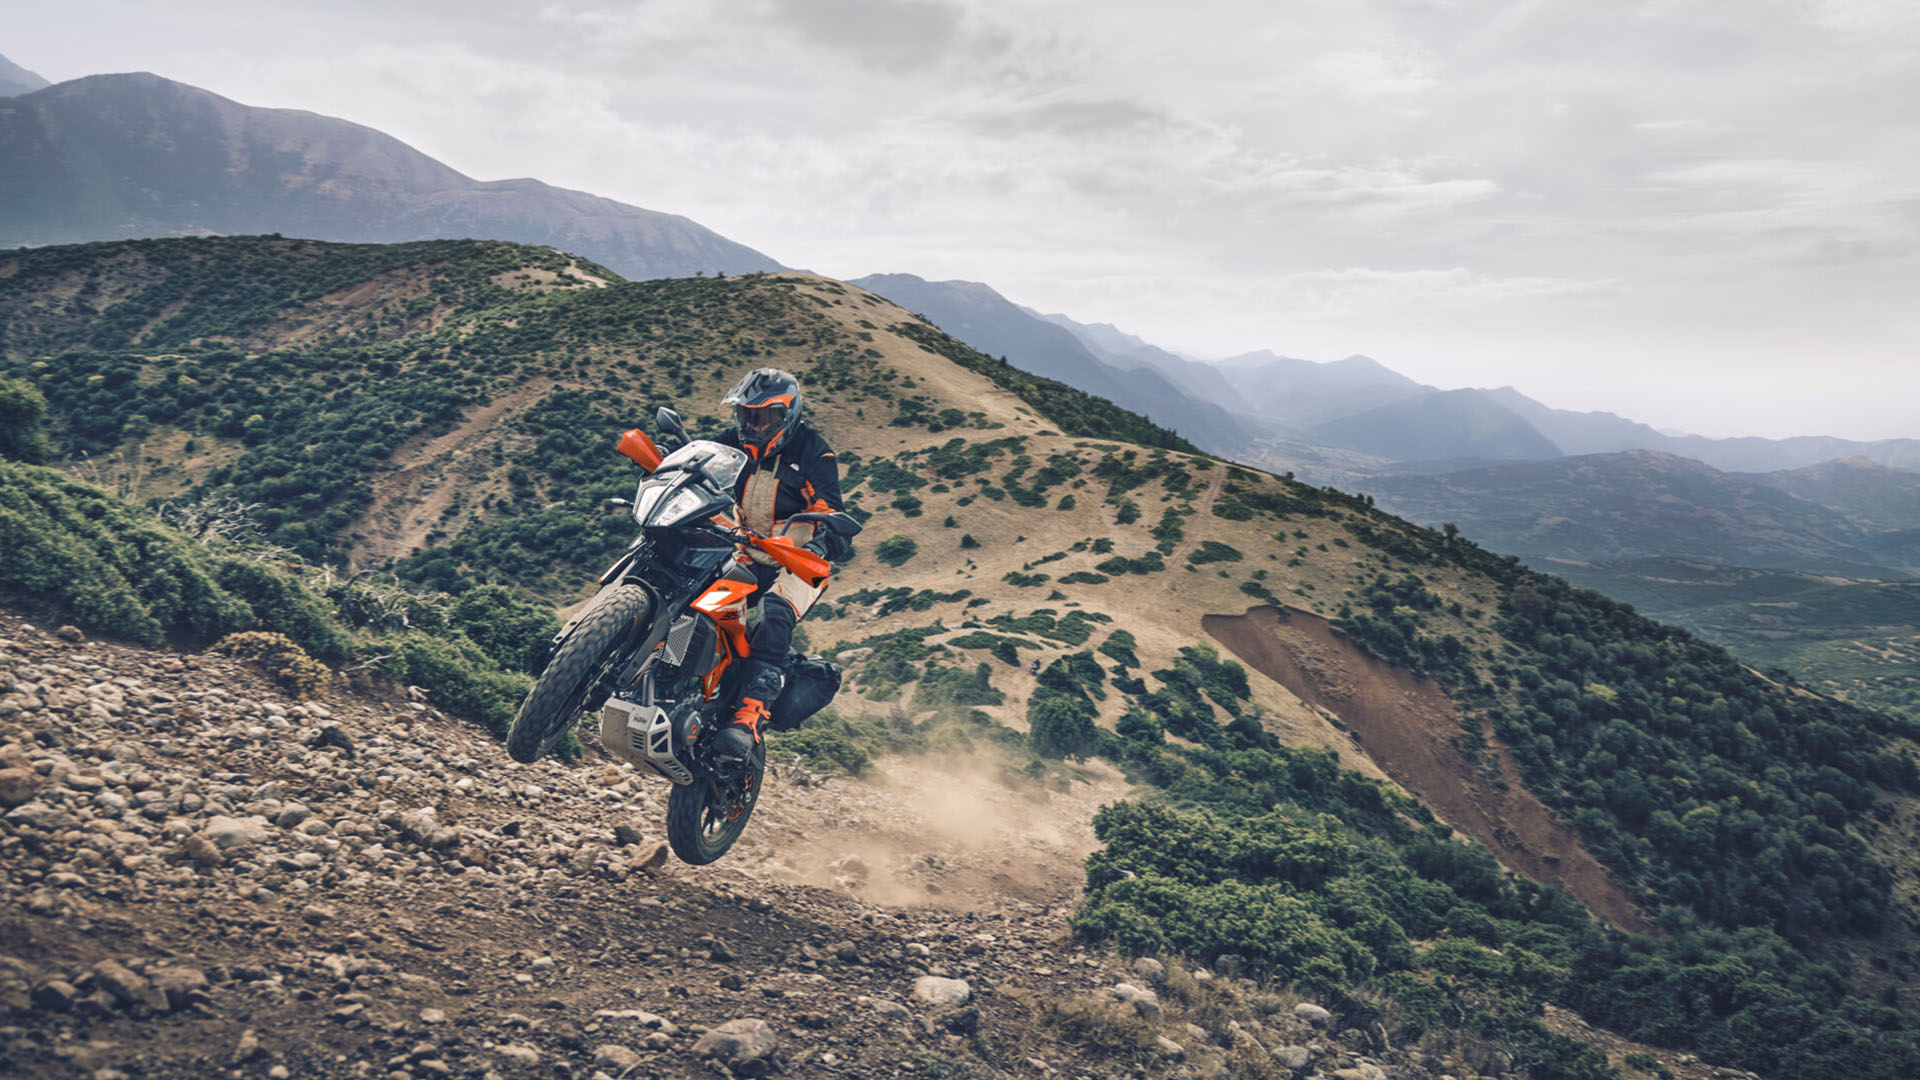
[
  {"x": 1312, "y": 1014},
  {"x": 614, "y": 1057},
  {"x": 935, "y": 990},
  {"x": 745, "y": 1042},
  {"x": 17, "y": 786},
  {"x": 231, "y": 832},
  {"x": 126, "y": 987}
]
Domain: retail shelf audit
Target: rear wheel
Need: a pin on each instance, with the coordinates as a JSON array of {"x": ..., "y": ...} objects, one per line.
[
  {"x": 705, "y": 817},
  {"x": 562, "y": 689}
]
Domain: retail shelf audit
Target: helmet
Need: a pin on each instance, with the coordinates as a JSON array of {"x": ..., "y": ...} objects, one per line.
[{"x": 766, "y": 408}]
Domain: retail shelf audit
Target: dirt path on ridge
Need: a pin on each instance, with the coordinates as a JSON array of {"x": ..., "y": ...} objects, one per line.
[
  {"x": 1407, "y": 725},
  {"x": 407, "y": 504},
  {"x": 1202, "y": 507}
]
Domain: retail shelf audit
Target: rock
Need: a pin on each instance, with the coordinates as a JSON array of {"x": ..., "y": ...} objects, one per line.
[
  {"x": 1363, "y": 1071},
  {"x": 318, "y": 914},
  {"x": 181, "y": 985},
  {"x": 1229, "y": 964},
  {"x": 614, "y": 1056},
  {"x": 1153, "y": 971},
  {"x": 1144, "y": 1002},
  {"x": 55, "y": 995},
  {"x": 892, "y": 1010},
  {"x": 625, "y": 835},
  {"x": 935, "y": 990},
  {"x": 292, "y": 815},
  {"x": 17, "y": 786},
  {"x": 433, "y": 1016},
  {"x": 70, "y": 633},
  {"x": 518, "y": 1054},
  {"x": 126, "y": 987},
  {"x": 1169, "y": 1049},
  {"x": 738, "y": 1042},
  {"x": 650, "y": 860},
  {"x": 201, "y": 850},
  {"x": 41, "y": 816},
  {"x": 230, "y": 833},
  {"x": 719, "y": 953},
  {"x": 1293, "y": 1057},
  {"x": 845, "y": 952},
  {"x": 959, "y": 1022},
  {"x": 1312, "y": 1014},
  {"x": 849, "y": 866},
  {"x": 248, "y": 1047}
]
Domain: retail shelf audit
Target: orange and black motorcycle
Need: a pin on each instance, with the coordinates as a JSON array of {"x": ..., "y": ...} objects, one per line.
[{"x": 654, "y": 650}]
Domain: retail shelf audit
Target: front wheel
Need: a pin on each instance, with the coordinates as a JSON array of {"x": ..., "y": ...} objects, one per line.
[
  {"x": 571, "y": 675},
  {"x": 705, "y": 817}
]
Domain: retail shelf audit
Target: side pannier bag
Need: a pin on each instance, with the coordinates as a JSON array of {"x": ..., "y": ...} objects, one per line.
[{"x": 811, "y": 684}]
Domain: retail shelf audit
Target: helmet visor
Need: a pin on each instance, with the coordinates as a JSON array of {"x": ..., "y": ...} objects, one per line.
[{"x": 760, "y": 422}]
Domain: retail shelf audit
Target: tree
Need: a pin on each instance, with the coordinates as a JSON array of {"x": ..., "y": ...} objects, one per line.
[{"x": 21, "y": 411}]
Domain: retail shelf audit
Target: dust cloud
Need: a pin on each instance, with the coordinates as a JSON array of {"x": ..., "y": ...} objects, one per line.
[{"x": 963, "y": 833}]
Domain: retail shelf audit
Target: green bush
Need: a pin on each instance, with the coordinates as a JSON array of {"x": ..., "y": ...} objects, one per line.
[
  {"x": 895, "y": 550},
  {"x": 288, "y": 664},
  {"x": 457, "y": 675},
  {"x": 21, "y": 411}
]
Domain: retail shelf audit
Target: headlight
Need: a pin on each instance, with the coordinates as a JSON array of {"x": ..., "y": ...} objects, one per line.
[
  {"x": 678, "y": 506},
  {"x": 646, "y": 499}
]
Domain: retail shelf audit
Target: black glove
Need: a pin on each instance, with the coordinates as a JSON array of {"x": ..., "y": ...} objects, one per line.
[{"x": 829, "y": 545}]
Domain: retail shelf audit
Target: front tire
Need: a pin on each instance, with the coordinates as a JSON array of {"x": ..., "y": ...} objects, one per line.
[
  {"x": 705, "y": 818},
  {"x": 562, "y": 688}
]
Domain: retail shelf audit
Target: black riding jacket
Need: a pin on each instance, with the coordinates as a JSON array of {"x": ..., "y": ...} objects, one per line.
[{"x": 809, "y": 481}]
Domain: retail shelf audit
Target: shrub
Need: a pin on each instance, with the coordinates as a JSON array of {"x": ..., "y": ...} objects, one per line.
[
  {"x": 286, "y": 663},
  {"x": 21, "y": 411},
  {"x": 895, "y": 550},
  {"x": 825, "y": 750},
  {"x": 1025, "y": 581}
]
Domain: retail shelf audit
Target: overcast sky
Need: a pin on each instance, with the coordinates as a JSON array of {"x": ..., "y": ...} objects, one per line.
[{"x": 1704, "y": 215}]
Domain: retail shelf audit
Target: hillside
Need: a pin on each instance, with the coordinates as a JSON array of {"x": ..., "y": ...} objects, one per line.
[
  {"x": 444, "y": 412},
  {"x": 113, "y": 156}
]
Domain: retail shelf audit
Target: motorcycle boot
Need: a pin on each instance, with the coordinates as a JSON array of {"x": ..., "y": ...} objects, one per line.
[{"x": 741, "y": 736}]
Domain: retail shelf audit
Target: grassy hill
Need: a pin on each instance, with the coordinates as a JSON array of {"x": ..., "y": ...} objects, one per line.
[{"x": 440, "y": 417}]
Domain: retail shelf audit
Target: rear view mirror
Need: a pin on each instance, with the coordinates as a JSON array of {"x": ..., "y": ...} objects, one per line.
[{"x": 669, "y": 422}]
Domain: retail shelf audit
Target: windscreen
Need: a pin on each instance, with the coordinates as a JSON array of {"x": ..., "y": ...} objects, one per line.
[{"x": 720, "y": 464}]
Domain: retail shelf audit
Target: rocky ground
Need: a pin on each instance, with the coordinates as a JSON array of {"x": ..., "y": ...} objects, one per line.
[{"x": 204, "y": 877}]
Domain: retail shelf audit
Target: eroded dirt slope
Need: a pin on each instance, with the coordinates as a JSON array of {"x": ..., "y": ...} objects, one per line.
[{"x": 1407, "y": 725}]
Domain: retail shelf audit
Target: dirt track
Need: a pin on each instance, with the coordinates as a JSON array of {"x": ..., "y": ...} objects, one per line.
[{"x": 1410, "y": 728}]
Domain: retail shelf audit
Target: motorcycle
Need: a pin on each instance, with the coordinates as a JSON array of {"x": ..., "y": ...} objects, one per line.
[{"x": 654, "y": 650}]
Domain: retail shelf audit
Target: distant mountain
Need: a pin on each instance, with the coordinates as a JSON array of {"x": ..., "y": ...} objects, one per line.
[
  {"x": 1303, "y": 394},
  {"x": 15, "y": 79},
  {"x": 1443, "y": 427},
  {"x": 1603, "y": 433},
  {"x": 1600, "y": 508},
  {"x": 985, "y": 320},
  {"x": 1869, "y": 494},
  {"x": 122, "y": 156},
  {"x": 1125, "y": 351}
]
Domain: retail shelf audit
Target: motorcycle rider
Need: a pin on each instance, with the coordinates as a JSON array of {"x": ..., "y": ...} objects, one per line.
[{"x": 792, "y": 470}]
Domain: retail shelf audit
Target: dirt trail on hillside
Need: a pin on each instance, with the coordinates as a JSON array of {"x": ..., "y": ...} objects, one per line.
[
  {"x": 1407, "y": 725},
  {"x": 1202, "y": 511},
  {"x": 408, "y": 504}
]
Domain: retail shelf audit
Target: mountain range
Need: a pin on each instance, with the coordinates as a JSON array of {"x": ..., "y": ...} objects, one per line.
[
  {"x": 15, "y": 79},
  {"x": 116, "y": 156}
]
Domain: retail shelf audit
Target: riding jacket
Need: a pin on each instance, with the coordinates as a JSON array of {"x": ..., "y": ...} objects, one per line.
[{"x": 800, "y": 476}]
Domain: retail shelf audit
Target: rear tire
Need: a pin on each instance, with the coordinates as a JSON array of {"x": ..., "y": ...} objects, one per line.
[
  {"x": 702, "y": 827},
  {"x": 576, "y": 667}
]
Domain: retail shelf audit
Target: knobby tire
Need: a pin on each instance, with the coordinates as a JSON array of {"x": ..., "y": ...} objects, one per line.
[
  {"x": 687, "y": 809},
  {"x": 562, "y": 688}
]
